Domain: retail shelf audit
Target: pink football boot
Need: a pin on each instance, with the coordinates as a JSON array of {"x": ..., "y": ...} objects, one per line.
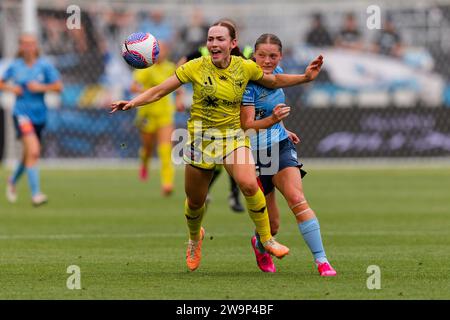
[
  {"x": 263, "y": 260},
  {"x": 325, "y": 269}
]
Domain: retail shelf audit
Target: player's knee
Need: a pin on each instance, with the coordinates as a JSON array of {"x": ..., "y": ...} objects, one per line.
[
  {"x": 295, "y": 198},
  {"x": 248, "y": 188},
  {"x": 195, "y": 203},
  {"x": 33, "y": 155}
]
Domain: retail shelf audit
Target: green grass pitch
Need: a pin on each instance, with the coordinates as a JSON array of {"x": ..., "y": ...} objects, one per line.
[{"x": 130, "y": 243}]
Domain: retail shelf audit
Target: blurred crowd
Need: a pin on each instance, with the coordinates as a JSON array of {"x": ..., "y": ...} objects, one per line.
[
  {"x": 90, "y": 61},
  {"x": 97, "y": 43},
  {"x": 388, "y": 40}
]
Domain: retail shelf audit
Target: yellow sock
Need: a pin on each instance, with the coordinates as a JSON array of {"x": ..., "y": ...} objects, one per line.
[
  {"x": 167, "y": 170},
  {"x": 143, "y": 156},
  {"x": 194, "y": 220},
  {"x": 257, "y": 208}
]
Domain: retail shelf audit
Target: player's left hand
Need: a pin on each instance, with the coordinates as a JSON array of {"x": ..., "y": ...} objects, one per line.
[
  {"x": 313, "y": 69},
  {"x": 36, "y": 87},
  {"x": 280, "y": 112},
  {"x": 293, "y": 137}
]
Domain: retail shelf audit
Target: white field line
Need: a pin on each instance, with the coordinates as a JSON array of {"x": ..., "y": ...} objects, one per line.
[{"x": 183, "y": 235}]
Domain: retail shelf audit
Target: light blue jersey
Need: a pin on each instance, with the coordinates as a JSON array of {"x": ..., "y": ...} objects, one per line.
[
  {"x": 264, "y": 100},
  {"x": 31, "y": 104}
]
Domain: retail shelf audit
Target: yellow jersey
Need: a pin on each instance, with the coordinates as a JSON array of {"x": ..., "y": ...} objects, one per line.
[
  {"x": 152, "y": 77},
  {"x": 217, "y": 92}
]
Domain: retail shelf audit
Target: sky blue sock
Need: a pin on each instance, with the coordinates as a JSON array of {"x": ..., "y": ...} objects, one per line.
[
  {"x": 20, "y": 169},
  {"x": 310, "y": 231},
  {"x": 33, "y": 180}
]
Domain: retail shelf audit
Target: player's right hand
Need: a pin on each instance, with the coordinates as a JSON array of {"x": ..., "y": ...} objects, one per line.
[
  {"x": 313, "y": 69},
  {"x": 293, "y": 137},
  {"x": 280, "y": 112},
  {"x": 121, "y": 105},
  {"x": 17, "y": 90}
]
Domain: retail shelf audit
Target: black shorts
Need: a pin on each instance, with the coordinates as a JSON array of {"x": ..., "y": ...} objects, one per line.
[
  {"x": 269, "y": 164},
  {"x": 24, "y": 126}
]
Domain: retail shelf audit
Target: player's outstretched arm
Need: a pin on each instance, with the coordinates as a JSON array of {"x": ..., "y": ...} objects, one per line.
[
  {"x": 151, "y": 95},
  {"x": 288, "y": 80}
]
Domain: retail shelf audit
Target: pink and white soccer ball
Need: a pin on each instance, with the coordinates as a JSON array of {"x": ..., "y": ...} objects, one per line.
[{"x": 140, "y": 50}]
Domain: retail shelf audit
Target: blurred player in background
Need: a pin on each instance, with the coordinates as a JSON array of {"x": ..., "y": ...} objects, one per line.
[
  {"x": 219, "y": 81},
  {"x": 155, "y": 120},
  {"x": 264, "y": 108},
  {"x": 234, "y": 200},
  {"x": 29, "y": 77}
]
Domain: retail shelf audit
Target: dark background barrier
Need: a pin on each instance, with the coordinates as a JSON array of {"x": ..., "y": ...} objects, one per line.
[
  {"x": 327, "y": 133},
  {"x": 372, "y": 132}
]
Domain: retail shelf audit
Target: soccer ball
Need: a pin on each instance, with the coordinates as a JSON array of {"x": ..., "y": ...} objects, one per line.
[{"x": 140, "y": 50}]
